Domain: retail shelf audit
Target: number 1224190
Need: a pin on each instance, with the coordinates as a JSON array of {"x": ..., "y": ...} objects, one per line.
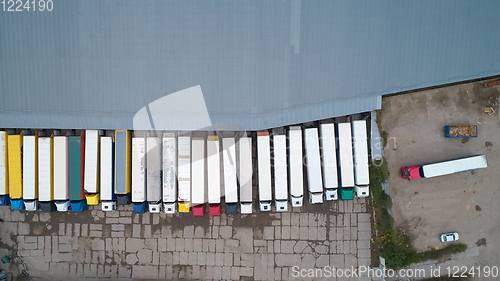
[{"x": 27, "y": 5}]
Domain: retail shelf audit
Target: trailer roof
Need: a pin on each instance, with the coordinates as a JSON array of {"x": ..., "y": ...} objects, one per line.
[
  {"x": 45, "y": 169},
  {"x": 30, "y": 186},
  {"x": 328, "y": 155},
  {"x": 213, "y": 170},
  {"x": 74, "y": 168},
  {"x": 360, "y": 152},
  {"x": 184, "y": 168},
  {"x": 280, "y": 168},
  {"x": 122, "y": 162},
  {"x": 260, "y": 64},
  {"x": 61, "y": 173},
  {"x": 139, "y": 193},
  {"x": 91, "y": 180},
  {"x": 153, "y": 169},
  {"x": 106, "y": 168},
  {"x": 313, "y": 160},
  {"x": 229, "y": 164},
  {"x": 264, "y": 167},
  {"x": 198, "y": 180},
  {"x": 295, "y": 164},
  {"x": 455, "y": 166},
  {"x": 345, "y": 155},
  {"x": 246, "y": 169},
  {"x": 169, "y": 167}
]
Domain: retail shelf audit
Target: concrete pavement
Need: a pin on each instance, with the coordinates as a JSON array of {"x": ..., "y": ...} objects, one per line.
[{"x": 124, "y": 245}]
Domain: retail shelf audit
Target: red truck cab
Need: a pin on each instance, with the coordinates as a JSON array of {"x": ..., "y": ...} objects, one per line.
[{"x": 413, "y": 172}]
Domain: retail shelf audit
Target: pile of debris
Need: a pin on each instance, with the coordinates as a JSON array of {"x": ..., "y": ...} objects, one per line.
[{"x": 463, "y": 131}]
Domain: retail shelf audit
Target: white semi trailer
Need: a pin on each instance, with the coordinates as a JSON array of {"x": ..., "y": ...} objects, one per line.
[
  {"x": 169, "y": 173},
  {"x": 230, "y": 178},
  {"x": 246, "y": 174},
  {"x": 346, "y": 166},
  {"x": 313, "y": 162},
  {"x": 198, "y": 179},
  {"x": 30, "y": 171},
  {"x": 91, "y": 174},
  {"x": 360, "y": 152},
  {"x": 139, "y": 195},
  {"x": 153, "y": 174},
  {"x": 280, "y": 170},
  {"x": 184, "y": 174},
  {"x": 213, "y": 173},
  {"x": 295, "y": 166},
  {"x": 264, "y": 165},
  {"x": 106, "y": 157},
  {"x": 444, "y": 168},
  {"x": 61, "y": 173},
  {"x": 46, "y": 173},
  {"x": 329, "y": 157}
]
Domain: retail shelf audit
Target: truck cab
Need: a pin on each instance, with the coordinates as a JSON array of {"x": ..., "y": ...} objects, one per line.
[
  {"x": 169, "y": 207},
  {"x": 316, "y": 197},
  {"x": 184, "y": 207},
  {"x": 413, "y": 172},
  {"x": 155, "y": 207},
  {"x": 361, "y": 190},
  {"x": 331, "y": 193},
  {"x": 265, "y": 206},
  {"x": 79, "y": 206},
  {"x": 296, "y": 201},
  {"x": 346, "y": 193},
  {"x": 140, "y": 207},
  {"x": 246, "y": 207},
  {"x": 31, "y": 205},
  {"x": 62, "y": 206},
  {"x": 109, "y": 206}
]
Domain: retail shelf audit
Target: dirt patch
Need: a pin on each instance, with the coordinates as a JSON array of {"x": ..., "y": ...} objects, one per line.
[
  {"x": 478, "y": 208},
  {"x": 481, "y": 242},
  {"x": 38, "y": 229},
  {"x": 178, "y": 222},
  {"x": 485, "y": 96},
  {"x": 488, "y": 144},
  {"x": 466, "y": 140},
  {"x": 464, "y": 99},
  {"x": 441, "y": 98},
  {"x": 264, "y": 219}
]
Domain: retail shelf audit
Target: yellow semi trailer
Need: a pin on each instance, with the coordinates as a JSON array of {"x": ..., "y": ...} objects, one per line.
[{"x": 15, "y": 153}]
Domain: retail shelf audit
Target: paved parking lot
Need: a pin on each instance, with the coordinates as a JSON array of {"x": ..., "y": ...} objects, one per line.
[
  {"x": 262, "y": 246},
  {"x": 467, "y": 202}
]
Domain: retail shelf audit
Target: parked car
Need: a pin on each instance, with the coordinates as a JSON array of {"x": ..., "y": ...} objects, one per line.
[{"x": 448, "y": 237}]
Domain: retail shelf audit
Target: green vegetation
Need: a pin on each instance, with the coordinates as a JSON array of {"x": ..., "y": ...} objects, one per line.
[
  {"x": 383, "y": 133},
  {"x": 394, "y": 246},
  {"x": 391, "y": 244},
  {"x": 379, "y": 119},
  {"x": 385, "y": 137},
  {"x": 434, "y": 254}
]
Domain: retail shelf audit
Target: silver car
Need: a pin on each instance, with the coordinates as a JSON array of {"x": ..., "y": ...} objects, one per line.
[{"x": 447, "y": 237}]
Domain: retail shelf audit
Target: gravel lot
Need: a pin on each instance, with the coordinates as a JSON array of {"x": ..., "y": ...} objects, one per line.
[{"x": 466, "y": 202}]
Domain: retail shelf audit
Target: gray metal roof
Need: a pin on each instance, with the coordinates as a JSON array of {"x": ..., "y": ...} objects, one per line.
[{"x": 259, "y": 64}]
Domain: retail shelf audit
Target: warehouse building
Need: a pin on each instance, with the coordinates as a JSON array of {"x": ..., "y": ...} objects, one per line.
[{"x": 183, "y": 65}]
